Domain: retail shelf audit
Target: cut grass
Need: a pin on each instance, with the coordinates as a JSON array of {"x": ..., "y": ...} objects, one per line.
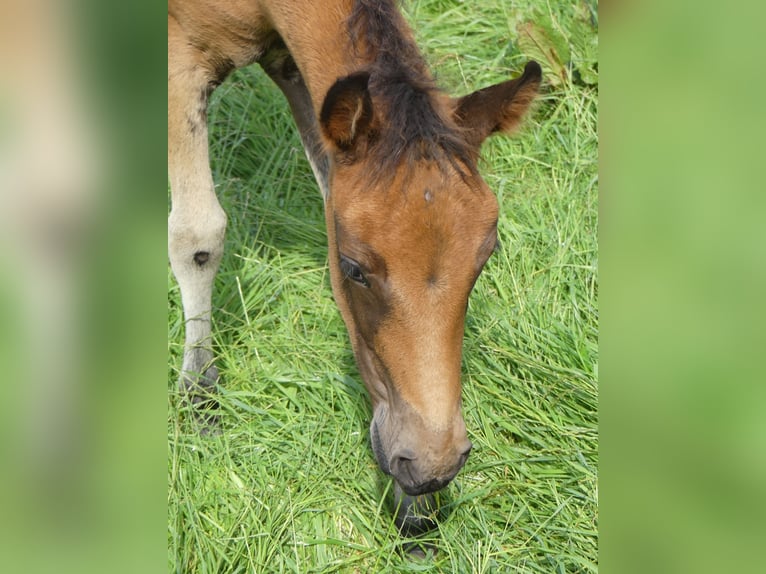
[{"x": 290, "y": 485}]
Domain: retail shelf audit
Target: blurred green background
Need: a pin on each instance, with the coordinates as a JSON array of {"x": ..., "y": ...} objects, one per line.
[{"x": 682, "y": 425}]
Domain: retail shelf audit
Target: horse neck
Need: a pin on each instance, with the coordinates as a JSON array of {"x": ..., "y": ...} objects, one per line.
[{"x": 316, "y": 36}]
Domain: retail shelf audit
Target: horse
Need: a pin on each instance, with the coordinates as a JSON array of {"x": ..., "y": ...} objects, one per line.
[{"x": 410, "y": 222}]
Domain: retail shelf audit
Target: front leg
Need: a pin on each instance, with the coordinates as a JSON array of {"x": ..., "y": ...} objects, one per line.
[{"x": 197, "y": 222}]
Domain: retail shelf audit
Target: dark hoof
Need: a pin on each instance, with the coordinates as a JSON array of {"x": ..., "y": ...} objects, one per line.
[
  {"x": 415, "y": 515},
  {"x": 419, "y": 550},
  {"x": 199, "y": 394}
]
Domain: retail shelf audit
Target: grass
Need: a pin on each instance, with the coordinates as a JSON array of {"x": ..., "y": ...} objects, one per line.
[{"x": 290, "y": 485}]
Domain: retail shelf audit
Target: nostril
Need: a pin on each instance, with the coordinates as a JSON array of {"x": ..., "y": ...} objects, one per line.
[
  {"x": 401, "y": 462},
  {"x": 404, "y": 455}
]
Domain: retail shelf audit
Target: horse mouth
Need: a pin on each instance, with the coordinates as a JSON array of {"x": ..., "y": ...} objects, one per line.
[{"x": 429, "y": 487}]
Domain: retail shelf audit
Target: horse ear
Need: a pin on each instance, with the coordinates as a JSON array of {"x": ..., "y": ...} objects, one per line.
[
  {"x": 347, "y": 111},
  {"x": 497, "y": 108}
]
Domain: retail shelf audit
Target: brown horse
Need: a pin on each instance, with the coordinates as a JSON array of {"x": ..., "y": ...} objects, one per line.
[{"x": 410, "y": 222}]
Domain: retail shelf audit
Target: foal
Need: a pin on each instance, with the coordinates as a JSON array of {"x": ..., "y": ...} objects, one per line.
[{"x": 410, "y": 222}]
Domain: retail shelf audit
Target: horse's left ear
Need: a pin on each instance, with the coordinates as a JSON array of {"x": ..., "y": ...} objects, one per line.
[
  {"x": 498, "y": 108},
  {"x": 347, "y": 111}
]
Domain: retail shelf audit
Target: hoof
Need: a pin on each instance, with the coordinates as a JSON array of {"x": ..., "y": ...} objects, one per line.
[
  {"x": 415, "y": 515},
  {"x": 419, "y": 550},
  {"x": 199, "y": 395}
]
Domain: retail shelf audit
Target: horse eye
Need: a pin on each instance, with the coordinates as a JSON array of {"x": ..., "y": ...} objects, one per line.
[{"x": 351, "y": 269}]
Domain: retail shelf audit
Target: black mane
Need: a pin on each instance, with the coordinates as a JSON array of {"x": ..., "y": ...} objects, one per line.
[{"x": 412, "y": 126}]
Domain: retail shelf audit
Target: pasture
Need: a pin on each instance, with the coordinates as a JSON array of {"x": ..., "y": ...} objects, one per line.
[{"x": 290, "y": 484}]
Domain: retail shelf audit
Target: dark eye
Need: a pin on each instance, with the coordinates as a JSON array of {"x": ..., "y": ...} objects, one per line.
[{"x": 351, "y": 270}]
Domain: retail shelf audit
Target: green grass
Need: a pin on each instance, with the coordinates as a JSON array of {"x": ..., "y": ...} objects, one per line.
[{"x": 290, "y": 485}]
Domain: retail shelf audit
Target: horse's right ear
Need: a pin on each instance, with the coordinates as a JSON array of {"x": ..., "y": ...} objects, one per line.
[
  {"x": 498, "y": 108},
  {"x": 347, "y": 111}
]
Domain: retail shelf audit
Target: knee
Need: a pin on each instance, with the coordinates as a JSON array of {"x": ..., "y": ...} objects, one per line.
[{"x": 196, "y": 241}]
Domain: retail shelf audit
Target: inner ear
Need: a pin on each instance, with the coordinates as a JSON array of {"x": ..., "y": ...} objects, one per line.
[
  {"x": 498, "y": 108},
  {"x": 347, "y": 111}
]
